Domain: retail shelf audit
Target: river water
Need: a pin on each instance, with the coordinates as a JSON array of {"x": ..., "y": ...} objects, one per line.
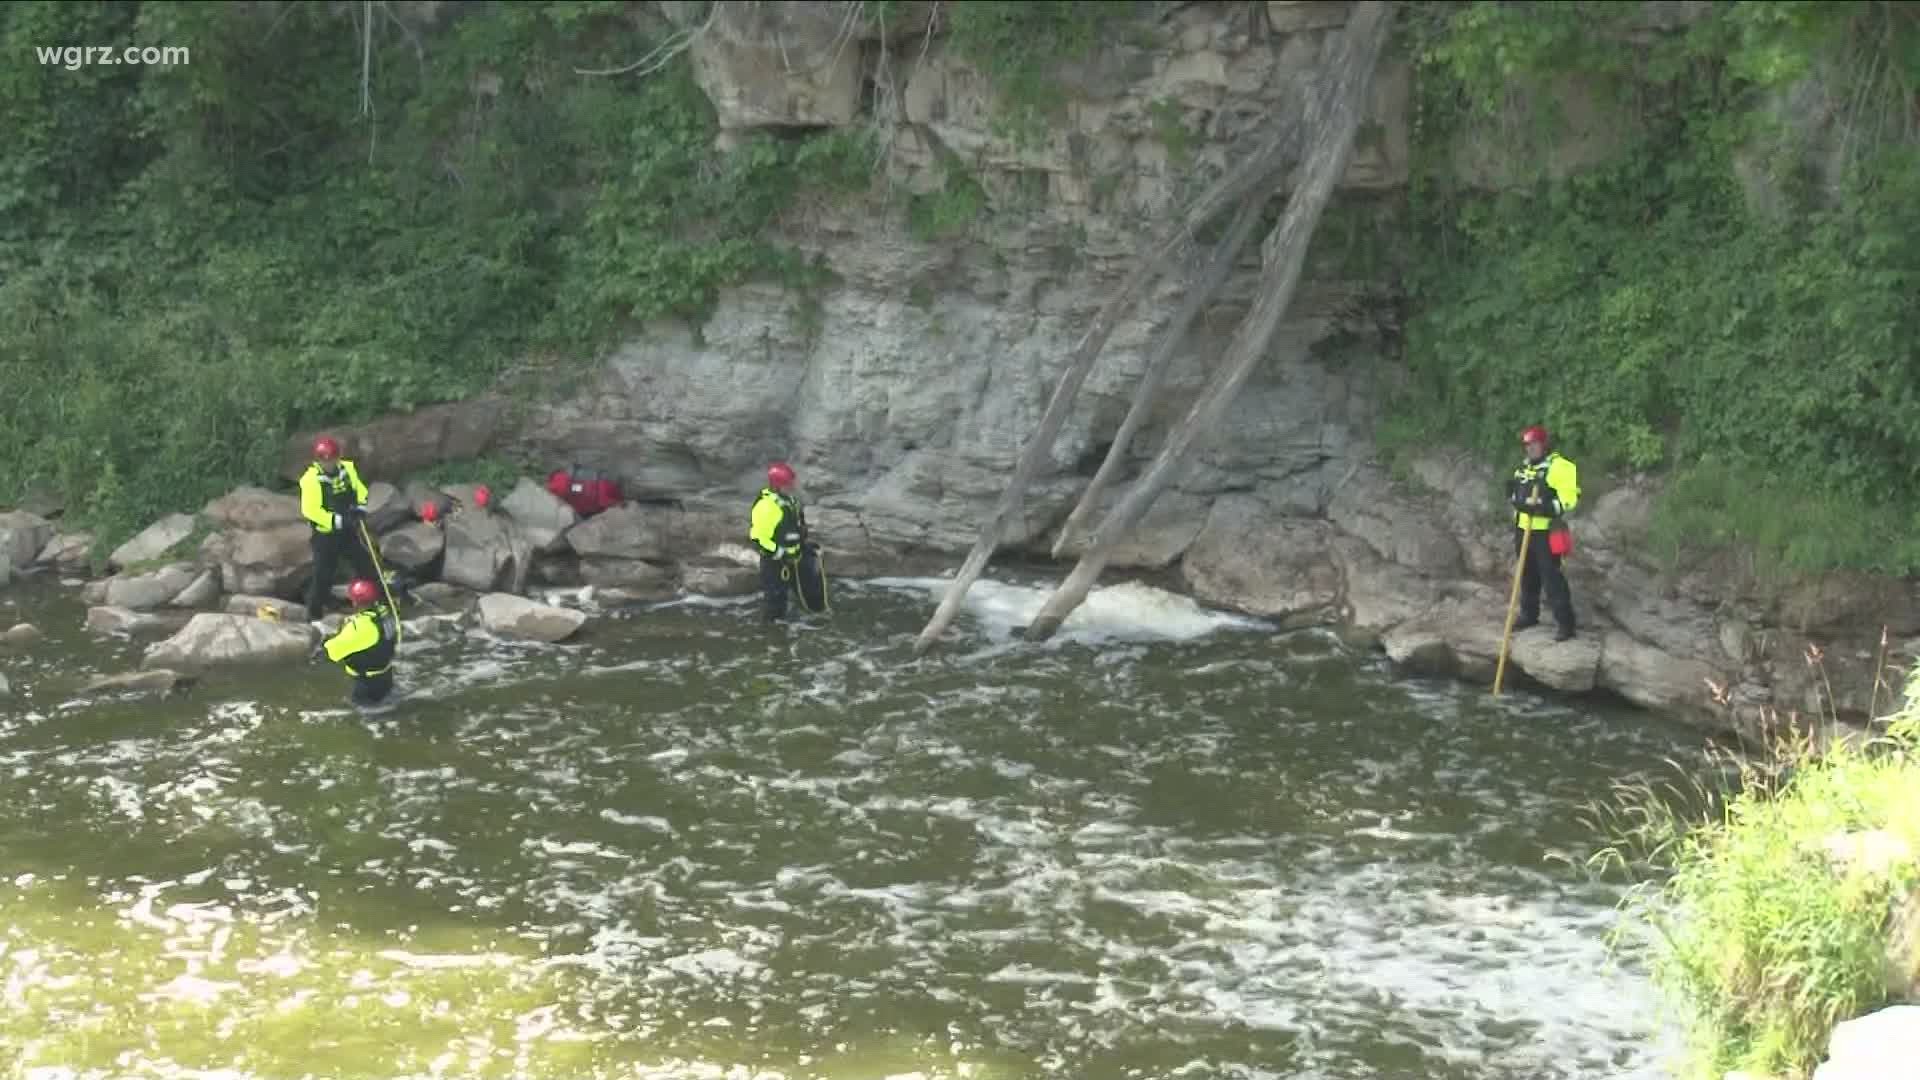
[{"x": 1171, "y": 844}]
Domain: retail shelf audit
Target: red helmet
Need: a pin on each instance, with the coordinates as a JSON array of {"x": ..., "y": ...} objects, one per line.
[
  {"x": 325, "y": 449},
  {"x": 1536, "y": 433},
  {"x": 361, "y": 592},
  {"x": 780, "y": 476}
]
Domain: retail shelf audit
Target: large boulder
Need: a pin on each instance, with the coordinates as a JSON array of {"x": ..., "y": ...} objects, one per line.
[
  {"x": 407, "y": 442},
  {"x": 67, "y": 551},
  {"x": 413, "y": 546},
  {"x": 144, "y": 590},
  {"x": 269, "y": 562},
  {"x": 1569, "y": 666},
  {"x": 625, "y": 531},
  {"x": 386, "y": 507},
  {"x": 1878, "y": 1046},
  {"x": 1655, "y": 679},
  {"x": 519, "y": 617},
  {"x": 152, "y": 542},
  {"x": 1249, "y": 559},
  {"x": 216, "y": 638},
  {"x": 204, "y": 590},
  {"x": 22, "y": 535},
  {"x": 1380, "y": 594},
  {"x": 479, "y": 553},
  {"x": 250, "y": 507},
  {"x": 22, "y": 635},
  {"x": 1459, "y": 634},
  {"x": 540, "y": 516}
]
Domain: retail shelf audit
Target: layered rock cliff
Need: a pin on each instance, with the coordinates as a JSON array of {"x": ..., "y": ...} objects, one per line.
[{"x": 904, "y": 391}]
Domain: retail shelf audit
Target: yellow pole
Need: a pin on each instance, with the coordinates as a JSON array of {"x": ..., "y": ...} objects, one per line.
[
  {"x": 380, "y": 572},
  {"x": 1513, "y": 602}
]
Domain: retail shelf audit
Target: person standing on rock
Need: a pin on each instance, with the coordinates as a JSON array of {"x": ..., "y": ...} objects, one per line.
[
  {"x": 366, "y": 642},
  {"x": 778, "y": 528},
  {"x": 1544, "y": 489},
  {"x": 334, "y": 502}
]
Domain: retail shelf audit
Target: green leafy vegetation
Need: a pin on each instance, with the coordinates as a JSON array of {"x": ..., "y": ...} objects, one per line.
[
  {"x": 195, "y": 260},
  {"x": 1763, "y": 936},
  {"x": 1020, "y": 48},
  {"x": 949, "y": 212},
  {"x": 1724, "y": 294}
]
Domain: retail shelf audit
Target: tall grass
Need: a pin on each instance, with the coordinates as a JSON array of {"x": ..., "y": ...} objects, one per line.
[{"x": 1761, "y": 934}]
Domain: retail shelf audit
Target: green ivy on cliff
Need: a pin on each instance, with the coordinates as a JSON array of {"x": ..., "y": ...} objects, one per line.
[
  {"x": 1022, "y": 47},
  {"x": 196, "y": 259},
  {"x": 1717, "y": 297}
]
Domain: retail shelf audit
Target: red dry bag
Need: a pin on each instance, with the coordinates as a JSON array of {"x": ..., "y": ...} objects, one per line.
[
  {"x": 588, "y": 491},
  {"x": 1560, "y": 541}
]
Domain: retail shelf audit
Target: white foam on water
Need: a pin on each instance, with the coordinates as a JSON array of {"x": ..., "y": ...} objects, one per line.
[
  {"x": 757, "y": 835},
  {"x": 1126, "y": 611}
]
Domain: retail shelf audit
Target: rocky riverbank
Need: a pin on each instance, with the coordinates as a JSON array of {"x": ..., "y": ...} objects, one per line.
[
  {"x": 905, "y": 387},
  {"x": 1417, "y": 571},
  {"x": 227, "y": 584}
]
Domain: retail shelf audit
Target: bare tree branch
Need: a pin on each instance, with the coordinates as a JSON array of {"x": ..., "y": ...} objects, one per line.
[
  {"x": 1333, "y": 117},
  {"x": 677, "y": 42},
  {"x": 1250, "y": 174},
  {"x": 1209, "y": 282}
]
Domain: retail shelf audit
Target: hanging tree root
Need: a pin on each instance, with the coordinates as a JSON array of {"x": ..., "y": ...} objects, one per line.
[
  {"x": 1333, "y": 119},
  {"x": 1225, "y": 255},
  {"x": 1251, "y": 175}
]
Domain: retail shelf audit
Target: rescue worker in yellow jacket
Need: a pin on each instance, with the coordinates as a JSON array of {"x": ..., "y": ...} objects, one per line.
[
  {"x": 778, "y": 529},
  {"x": 1544, "y": 489},
  {"x": 334, "y": 502},
  {"x": 366, "y": 642}
]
